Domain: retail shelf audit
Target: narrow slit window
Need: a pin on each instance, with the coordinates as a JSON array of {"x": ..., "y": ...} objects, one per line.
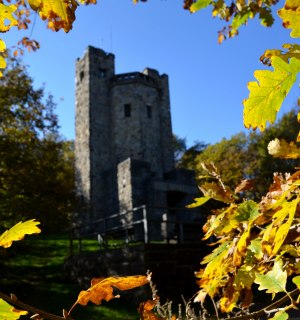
[
  {"x": 81, "y": 75},
  {"x": 149, "y": 111},
  {"x": 127, "y": 110}
]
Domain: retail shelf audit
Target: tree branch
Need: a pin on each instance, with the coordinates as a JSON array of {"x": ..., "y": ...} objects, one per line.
[
  {"x": 26, "y": 307},
  {"x": 262, "y": 312}
]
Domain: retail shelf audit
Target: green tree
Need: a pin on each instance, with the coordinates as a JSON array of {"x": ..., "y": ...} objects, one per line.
[
  {"x": 36, "y": 168},
  {"x": 246, "y": 156},
  {"x": 229, "y": 156}
]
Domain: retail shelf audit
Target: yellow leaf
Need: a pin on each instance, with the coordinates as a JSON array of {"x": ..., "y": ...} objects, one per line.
[
  {"x": 59, "y": 13},
  {"x": 267, "y": 94},
  {"x": 198, "y": 202},
  {"x": 6, "y": 14},
  {"x": 241, "y": 247},
  {"x": 8, "y": 312},
  {"x": 290, "y": 15},
  {"x": 18, "y": 232},
  {"x": 284, "y": 229},
  {"x": 2, "y": 45},
  {"x": 103, "y": 290}
]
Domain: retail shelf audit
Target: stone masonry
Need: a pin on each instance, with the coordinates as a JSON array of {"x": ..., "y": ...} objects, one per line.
[{"x": 123, "y": 146}]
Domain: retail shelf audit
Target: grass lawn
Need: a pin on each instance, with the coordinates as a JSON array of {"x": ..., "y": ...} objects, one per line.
[{"x": 33, "y": 270}]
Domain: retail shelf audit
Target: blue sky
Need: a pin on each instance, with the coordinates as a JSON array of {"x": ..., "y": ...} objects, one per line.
[{"x": 208, "y": 81}]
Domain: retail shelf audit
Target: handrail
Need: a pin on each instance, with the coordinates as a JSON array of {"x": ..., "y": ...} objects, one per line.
[{"x": 124, "y": 230}]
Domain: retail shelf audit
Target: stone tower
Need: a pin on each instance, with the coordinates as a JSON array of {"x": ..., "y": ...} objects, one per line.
[{"x": 123, "y": 147}]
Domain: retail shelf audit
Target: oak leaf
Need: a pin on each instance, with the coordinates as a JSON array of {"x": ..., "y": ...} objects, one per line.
[
  {"x": 199, "y": 4},
  {"x": 6, "y": 14},
  {"x": 59, "y": 13},
  {"x": 103, "y": 290},
  {"x": 198, "y": 202},
  {"x": 292, "y": 50},
  {"x": 8, "y": 312},
  {"x": 2, "y": 60},
  {"x": 18, "y": 232},
  {"x": 146, "y": 310},
  {"x": 267, "y": 94},
  {"x": 274, "y": 281},
  {"x": 290, "y": 14}
]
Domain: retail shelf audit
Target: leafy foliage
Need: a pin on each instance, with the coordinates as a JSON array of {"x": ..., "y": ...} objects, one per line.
[
  {"x": 37, "y": 171},
  {"x": 243, "y": 160},
  {"x": 256, "y": 242}
]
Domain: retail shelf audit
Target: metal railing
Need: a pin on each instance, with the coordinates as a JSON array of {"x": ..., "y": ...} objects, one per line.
[{"x": 137, "y": 225}]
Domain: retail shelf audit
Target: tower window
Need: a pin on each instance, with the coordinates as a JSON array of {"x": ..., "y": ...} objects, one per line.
[
  {"x": 102, "y": 73},
  {"x": 149, "y": 111},
  {"x": 81, "y": 75},
  {"x": 127, "y": 110}
]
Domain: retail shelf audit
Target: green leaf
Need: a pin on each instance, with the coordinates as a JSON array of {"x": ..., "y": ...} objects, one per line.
[
  {"x": 245, "y": 277},
  {"x": 274, "y": 281},
  {"x": 247, "y": 211},
  {"x": 198, "y": 202},
  {"x": 280, "y": 315},
  {"x": 216, "y": 252},
  {"x": 8, "y": 312},
  {"x": 296, "y": 280},
  {"x": 255, "y": 246},
  {"x": 267, "y": 94},
  {"x": 290, "y": 15},
  {"x": 200, "y": 4},
  {"x": 18, "y": 231}
]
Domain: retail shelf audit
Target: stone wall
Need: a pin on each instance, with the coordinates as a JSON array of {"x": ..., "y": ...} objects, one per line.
[{"x": 173, "y": 267}]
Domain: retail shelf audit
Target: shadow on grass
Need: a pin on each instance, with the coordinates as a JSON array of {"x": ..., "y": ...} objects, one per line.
[{"x": 33, "y": 270}]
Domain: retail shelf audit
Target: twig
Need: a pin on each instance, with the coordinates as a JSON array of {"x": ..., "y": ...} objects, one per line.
[
  {"x": 26, "y": 307},
  {"x": 262, "y": 312}
]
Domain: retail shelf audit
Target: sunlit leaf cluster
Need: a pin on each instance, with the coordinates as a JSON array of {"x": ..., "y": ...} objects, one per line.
[
  {"x": 59, "y": 14},
  {"x": 257, "y": 243}
]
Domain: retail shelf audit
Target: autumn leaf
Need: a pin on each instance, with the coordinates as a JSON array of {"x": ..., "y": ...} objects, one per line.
[
  {"x": 18, "y": 231},
  {"x": 290, "y": 14},
  {"x": 103, "y": 290},
  {"x": 244, "y": 185},
  {"x": 8, "y": 312},
  {"x": 6, "y": 15},
  {"x": 198, "y": 202},
  {"x": 280, "y": 315},
  {"x": 200, "y": 4},
  {"x": 292, "y": 50},
  {"x": 278, "y": 230},
  {"x": 296, "y": 280},
  {"x": 216, "y": 191},
  {"x": 274, "y": 281},
  {"x": 267, "y": 94},
  {"x": 2, "y": 60},
  {"x": 59, "y": 13},
  {"x": 241, "y": 247},
  {"x": 146, "y": 310},
  {"x": 283, "y": 149}
]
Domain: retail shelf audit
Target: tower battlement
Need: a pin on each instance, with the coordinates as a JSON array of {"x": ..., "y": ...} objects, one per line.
[{"x": 124, "y": 140}]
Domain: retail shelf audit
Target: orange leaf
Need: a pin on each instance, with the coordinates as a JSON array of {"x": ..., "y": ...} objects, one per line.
[
  {"x": 103, "y": 289},
  {"x": 145, "y": 310}
]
